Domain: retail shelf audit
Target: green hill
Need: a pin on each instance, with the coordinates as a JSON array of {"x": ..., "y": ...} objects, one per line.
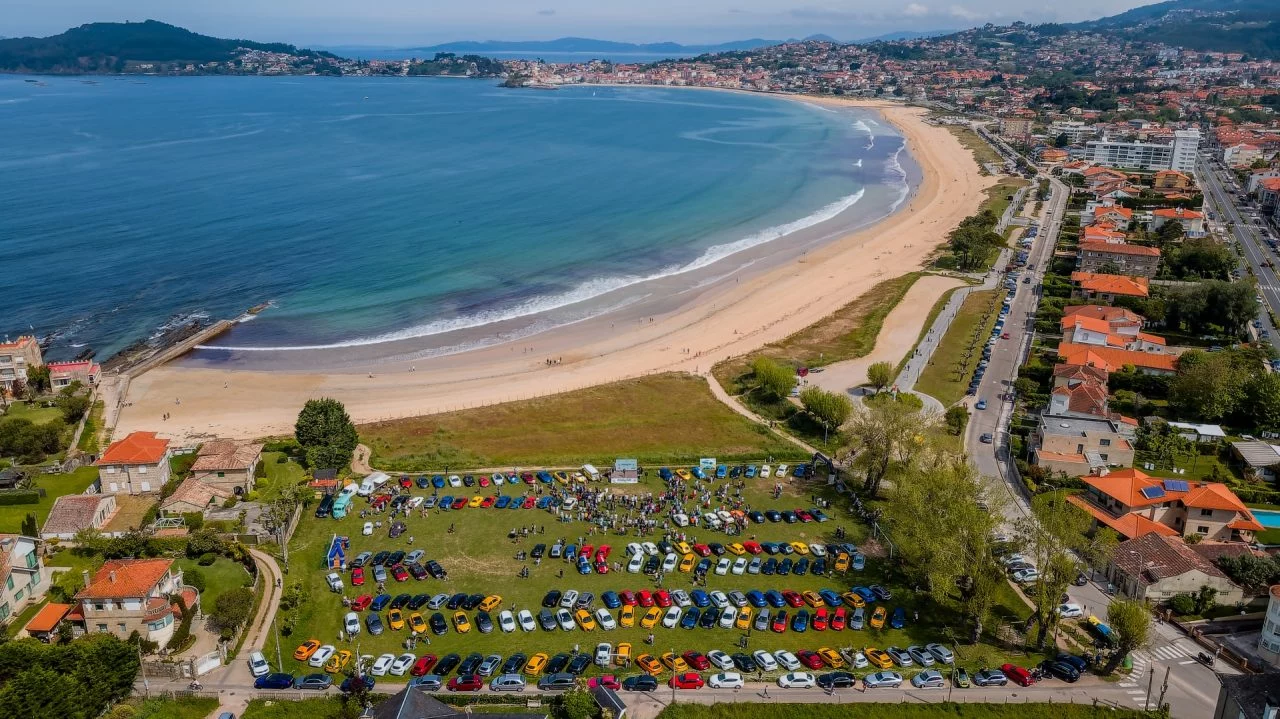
[
  {"x": 1248, "y": 26},
  {"x": 109, "y": 47}
]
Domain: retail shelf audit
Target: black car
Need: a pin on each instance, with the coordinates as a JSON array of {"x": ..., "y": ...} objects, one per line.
[
  {"x": 352, "y": 683},
  {"x": 380, "y": 558},
  {"x": 665, "y": 547},
  {"x": 790, "y": 517},
  {"x": 744, "y": 663},
  {"x": 710, "y": 616},
  {"x": 547, "y": 620},
  {"x": 1060, "y": 670},
  {"x": 1076, "y": 662},
  {"x": 556, "y": 664},
  {"x": 552, "y": 599},
  {"x": 417, "y": 570},
  {"x": 397, "y": 503},
  {"x": 423, "y": 481},
  {"x": 417, "y": 601},
  {"x": 578, "y": 664},
  {"x": 773, "y": 515},
  {"x": 735, "y": 472},
  {"x": 717, "y": 549},
  {"x": 836, "y": 680},
  {"x": 755, "y": 516},
  {"x": 484, "y": 622},
  {"x": 435, "y": 570},
  {"x": 469, "y": 480},
  {"x": 275, "y": 680},
  {"x": 819, "y": 566},
  {"x": 319, "y": 682},
  {"x": 651, "y": 565},
  {"x": 401, "y": 600},
  {"x": 472, "y": 601},
  {"x": 438, "y": 624},
  {"x": 470, "y": 664},
  {"x": 784, "y": 567},
  {"x": 802, "y": 566},
  {"x": 881, "y": 592},
  {"x": 640, "y": 683},
  {"x": 703, "y": 567},
  {"x": 447, "y": 664},
  {"x": 514, "y": 663},
  {"x": 395, "y": 558},
  {"x": 538, "y": 551},
  {"x": 770, "y": 566},
  {"x": 326, "y": 506}
]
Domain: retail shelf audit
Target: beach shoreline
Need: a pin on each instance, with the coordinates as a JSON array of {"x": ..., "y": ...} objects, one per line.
[{"x": 726, "y": 320}]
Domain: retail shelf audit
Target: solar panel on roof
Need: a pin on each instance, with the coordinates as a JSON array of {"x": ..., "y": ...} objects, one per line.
[
  {"x": 1152, "y": 492},
  {"x": 1176, "y": 485}
]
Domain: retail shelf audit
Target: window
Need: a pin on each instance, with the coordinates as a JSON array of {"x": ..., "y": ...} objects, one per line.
[
  {"x": 142, "y": 470},
  {"x": 18, "y": 595},
  {"x": 99, "y": 606},
  {"x": 102, "y": 627},
  {"x": 1206, "y": 513},
  {"x": 4, "y": 610},
  {"x": 111, "y": 470},
  {"x": 1104, "y": 442},
  {"x": 1202, "y": 529},
  {"x": 222, "y": 474},
  {"x": 9, "y": 582},
  {"x": 123, "y": 627}
]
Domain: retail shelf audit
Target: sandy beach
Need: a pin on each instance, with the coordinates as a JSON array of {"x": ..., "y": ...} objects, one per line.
[{"x": 730, "y": 320}]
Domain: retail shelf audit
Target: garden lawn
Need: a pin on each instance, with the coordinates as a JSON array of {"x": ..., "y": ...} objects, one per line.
[
  {"x": 221, "y": 576},
  {"x": 55, "y": 485},
  {"x": 314, "y": 708},
  {"x": 92, "y": 428},
  {"x": 998, "y": 194},
  {"x": 948, "y": 374},
  {"x": 1197, "y": 467},
  {"x": 288, "y": 472},
  {"x": 670, "y": 418},
  {"x": 759, "y": 710},
  {"x": 481, "y": 559},
  {"x": 34, "y": 413},
  {"x": 179, "y": 708}
]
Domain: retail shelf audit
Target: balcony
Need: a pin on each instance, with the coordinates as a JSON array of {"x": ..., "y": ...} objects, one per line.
[{"x": 156, "y": 608}]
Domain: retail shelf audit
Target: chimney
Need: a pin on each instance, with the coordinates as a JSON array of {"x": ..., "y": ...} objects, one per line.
[
  {"x": 112, "y": 576},
  {"x": 85, "y": 575}
]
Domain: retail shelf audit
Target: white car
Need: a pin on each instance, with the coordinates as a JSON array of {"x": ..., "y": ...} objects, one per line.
[
  {"x": 569, "y": 503},
  {"x": 786, "y": 660},
  {"x": 634, "y": 548},
  {"x": 681, "y": 599},
  {"x": 527, "y": 623},
  {"x": 368, "y": 529},
  {"x": 739, "y": 565},
  {"x": 415, "y": 502},
  {"x": 669, "y": 562},
  {"x": 680, "y": 520},
  {"x": 856, "y": 659},
  {"x": 382, "y": 664},
  {"x": 258, "y": 664},
  {"x": 321, "y": 656},
  {"x": 569, "y": 599},
  {"x": 725, "y": 516},
  {"x": 455, "y": 480},
  {"x": 797, "y": 680},
  {"x": 765, "y": 660},
  {"x": 1013, "y": 559},
  {"x": 636, "y": 563},
  {"x": 402, "y": 664},
  {"x": 506, "y": 622},
  {"x": 764, "y": 472},
  {"x": 722, "y": 566},
  {"x": 728, "y": 617},
  {"x": 719, "y": 599},
  {"x": 335, "y": 581},
  {"x": 351, "y": 623},
  {"x": 720, "y": 659},
  {"x": 605, "y": 620},
  {"x": 1022, "y": 576},
  {"x": 604, "y": 654},
  {"x": 782, "y": 471},
  {"x": 672, "y": 617},
  {"x": 711, "y": 520},
  {"x": 726, "y": 680},
  {"x": 566, "y": 620},
  {"x": 1070, "y": 611},
  {"x": 818, "y": 549},
  {"x": 650, "y": 548}
]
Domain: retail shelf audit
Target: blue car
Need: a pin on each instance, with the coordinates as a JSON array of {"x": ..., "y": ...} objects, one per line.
[
  {"x": 502, "y": 502},
  {"x": 775, "y": 599},
  {"x": 373, "y": 623},
  {"x": 830, "y": 597},
  {"x": 380, "y": 602},
  {"x": 584, "y": 565},
  {"x": 899, "y": 618},
  {"x": 697, "y": 472},
  {"x": 665, "y": 474},
  {"x": 275, "y": 680},
  {"x": 446, "y": 502},
  {"x": 423, "y": 481},
  {"x": 690, "y": 618},
  {"x": 351, "y": 683},
  {"x": 721, "y": 471},
  {"x": 756, "y": 597},
  {"x": 611, "y": 600},
  {"x": 800, "y": 622},
  {"x": 437, "y": 481},
  {"x": 544, "y": 477},
  {"x": 865, "y": 593},
  {"x": 700, "y": 598},
  {"x": 704, "y": 566},
  {"x": 544, "y": 502},
  {"x": 571, "y": 553},
  {"x": 859, "y": 562},
  {"x": 801, "y": 471},
  {"x": 751, "y": 471},
  {"x": 515, "y": 503}
]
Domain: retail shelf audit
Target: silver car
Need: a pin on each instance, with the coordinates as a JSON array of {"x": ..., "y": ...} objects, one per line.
[
  {"x": 921, "y": 655},
  {"x": 507, "y": 683}
]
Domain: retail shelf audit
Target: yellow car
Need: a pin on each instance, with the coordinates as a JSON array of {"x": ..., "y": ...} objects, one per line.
[
  {"x": 675, "y": 662},
  {"x": 737, "y": 548},
  {"x": 475, "y": 501},
  {"x": 586, "y": 619},
  {"x": 684, "y": 474},
  {"x": 622, "y": 654},
  {"x": 854, "y": 599},
  {"x": 831, "y": 657},
  {"x": 561, "y": 477},
  {"x": 800, "y": 547},
  {"x": 744, "y": 618},
  {"x": 417, "y": 624},
  {"x": 627, "y": 617},
  {"x": 812, "y": 598},
  {"x": 338, "y": 662},
  {"x": 686, "y": 563},
  {"x": 491, "y": 602},
  {"x": 877, "y": 618},
  {"x": 683, "y": 547},
  {"x": 306, "y": 649},
  {"x": 878, "y": 658},
  {"x": 651, "y": 617},
  {"x": 649, "y": 664},
  {"x": 534, "y": 666},
  {"x": 842, "y": 562},
  {"x": 460, "y": 622},
  {"x": 395, "y": 620}
]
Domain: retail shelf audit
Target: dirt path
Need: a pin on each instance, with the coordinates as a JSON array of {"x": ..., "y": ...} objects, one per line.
[
  {"x": 360, "y": 460},
  {"x": 733, "y": 404}
]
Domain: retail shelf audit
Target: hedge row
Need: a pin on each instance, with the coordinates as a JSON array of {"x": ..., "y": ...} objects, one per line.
[{"x": 9, "y": 498}]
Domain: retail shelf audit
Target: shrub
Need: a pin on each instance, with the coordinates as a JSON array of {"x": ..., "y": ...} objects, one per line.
[
  {"x": 195, "y": 578},
  {"x": 230, "y": 503},
  {"x": 10, "y": 498},
  {"x": 1182, "y": 604},
  {"x": 207, "y": 559}
]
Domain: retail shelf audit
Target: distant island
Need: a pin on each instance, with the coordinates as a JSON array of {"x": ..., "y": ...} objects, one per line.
[{"x": 602, "y": 47}]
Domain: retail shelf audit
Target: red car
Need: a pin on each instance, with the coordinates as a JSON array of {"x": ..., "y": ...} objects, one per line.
[
  {"x": 1017, "y": 675},
  {"x": 357, "y": 576},
  {"x": 821, "y": 620},
  {"x": 608, "y": 681},
  {"x": 804, "y": 515},
  {"x": 423, "y": 665},
  {"x": 380, "y": 501},
  {"x": 688, "y": 680},
  {"x": 528, "y": 478},
  {"x": 839, "y": 620},
  {"x": 627, "y": 597},
  {"x": 752, "y": 547},
  {"x": 488, "y": 502},
  {"x": 529, "y": 503},
  {"x": 400, "y": 573},
  {"x": 702, "y": 550},
  {"x": 779, "y": 622},
  {"x": 696, "y": 660},
  {"x": 662, "y": 598},
  {"x": 405, "y": 481},
  {"x": 603, "y": 552},
  {"x": 793, "y": 598},
  {"x": 645, "y": 597},
  {"x": 586, "y": 551},
  {"x": 602, "y": 567},
  {"x": 460, "y": 502},
  {"x": 484, "y": 480},
  {"x": 810, "y": 659},
  {"x": 469, "y": 683},
  {"x": 361, "y": 603}
]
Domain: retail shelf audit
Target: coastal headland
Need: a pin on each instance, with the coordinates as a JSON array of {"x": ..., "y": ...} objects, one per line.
[{"x": 728, "y": 319}]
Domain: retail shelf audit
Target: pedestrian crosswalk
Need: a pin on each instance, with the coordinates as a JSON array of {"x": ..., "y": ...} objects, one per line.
[
  {"x": 1270, "y": 288},
  {"x": 1167, "y": 653}
]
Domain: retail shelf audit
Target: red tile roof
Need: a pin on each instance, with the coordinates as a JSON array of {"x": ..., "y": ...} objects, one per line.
[
  {"x": 1083, "y": 373},
  {"x": 1153, "y": 557},
  {"x": 137, "y": 448},
  {"x": 123, "y": 578},
  {"x": 1112, "y": 284},
  {"x": 1119, "y": 248},
  {"x": 1113, "y": 358},
  {"x": 46, "y": 620},
  {"x": 1126, "y": 486},
  {"x": 1128, "y": 525},
  {"x": 1177, "y": 213}
]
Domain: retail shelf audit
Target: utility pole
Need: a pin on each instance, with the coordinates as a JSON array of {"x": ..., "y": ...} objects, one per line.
[
  {"x": 279, "y": 661},
  {"x": 1164, "y": 687},
  {"x": 1151, "y": 679},
  {"x": 146, "y": 686}
]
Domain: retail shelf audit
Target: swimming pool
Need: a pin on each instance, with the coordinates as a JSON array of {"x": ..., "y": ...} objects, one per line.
[{"x": 1267, "y": 518}]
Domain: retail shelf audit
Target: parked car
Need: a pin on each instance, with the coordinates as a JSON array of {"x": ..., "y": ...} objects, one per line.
[{"x": 883, "y": 679}]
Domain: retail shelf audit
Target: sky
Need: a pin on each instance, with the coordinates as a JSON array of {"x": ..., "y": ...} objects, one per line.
[{"x": 401, "y": 22}]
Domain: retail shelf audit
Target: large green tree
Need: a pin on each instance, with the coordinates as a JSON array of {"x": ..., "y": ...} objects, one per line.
[
  {"x": 326, "y": 433},
  {"x": 880, "y": 375},
  {"x": 1210, "y": 385},
  {"x": 771, "y": 378},
  {"x": 828, "y": 409},
  {"x": 1131, "y": 622},
  {"x": 231, "y": 610},
  {"x": 884, "y": 439}
]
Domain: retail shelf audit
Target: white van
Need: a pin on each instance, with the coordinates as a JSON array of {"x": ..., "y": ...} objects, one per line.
[
  {"x": 372, "y": 482},
  {"x": 591, "y": 472}
]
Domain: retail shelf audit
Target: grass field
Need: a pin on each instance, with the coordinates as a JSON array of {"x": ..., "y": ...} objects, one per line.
[
  {"x": 948, "y": 374},
  {"x": 280, "y": 472},
  {"x": 1020, "y": 710},
  {"x": 662, "y": 418},
  {"x": 982, "y": 152},
  {"x": 180, "y": 708},
  {"x": 315, "y": 708},
  {"x": 89, "y": 439},
  {"x": 55, "y": 485},
  {"x": 480, "y": 559},
  {"x": 33, "y": 412},
  {"x": 998, "y": 194},
  {"x": 219, "y": 577}
]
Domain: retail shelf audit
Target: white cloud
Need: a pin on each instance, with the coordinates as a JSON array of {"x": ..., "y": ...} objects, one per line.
[
  {"x": 915, "y": 9},
  {"x": 964, "y": 13}
]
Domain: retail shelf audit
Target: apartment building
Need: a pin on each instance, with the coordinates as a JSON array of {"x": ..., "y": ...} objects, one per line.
[
  {"x": 16, "y": 358},
  {"x": 1081, "y": 445},
  {"x": 23, "y": 577},
  {"x": 1121, "y": 258},
  {"x": 1076, "y": 132},
  {"x": 1178, "y": 155}
]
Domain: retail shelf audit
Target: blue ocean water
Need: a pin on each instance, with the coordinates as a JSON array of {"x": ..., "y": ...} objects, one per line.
[{"x": 368, "y": 210}]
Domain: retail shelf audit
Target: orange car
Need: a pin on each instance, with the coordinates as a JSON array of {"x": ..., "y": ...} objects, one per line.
[{"x": 306, "y": 649}]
